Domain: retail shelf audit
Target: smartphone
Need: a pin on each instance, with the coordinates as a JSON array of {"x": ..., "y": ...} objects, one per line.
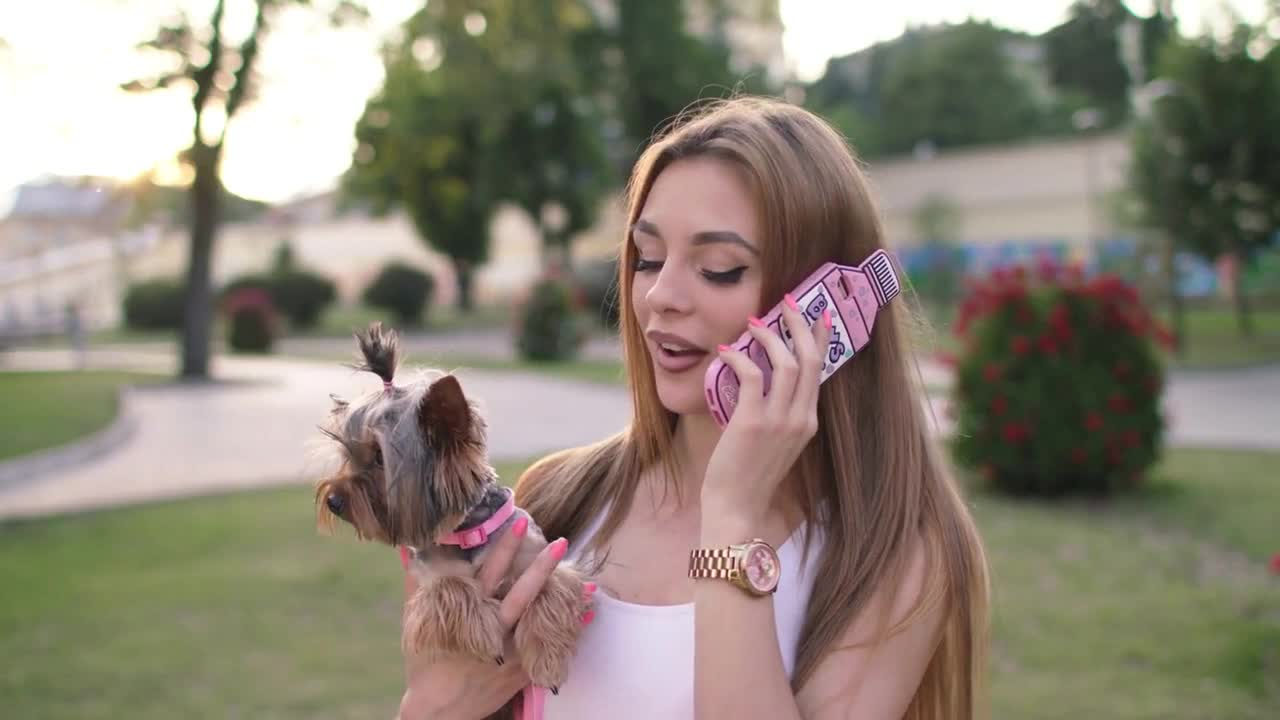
[{"x": 854, "y": 295}]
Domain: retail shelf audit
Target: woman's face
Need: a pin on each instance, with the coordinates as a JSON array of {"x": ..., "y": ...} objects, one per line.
[{"x": 698, "y": 273}]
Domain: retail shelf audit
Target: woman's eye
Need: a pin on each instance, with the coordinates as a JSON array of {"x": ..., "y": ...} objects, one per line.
[
  {"x": 727, "y": 277},
  {"x": 643, "y": 265}
]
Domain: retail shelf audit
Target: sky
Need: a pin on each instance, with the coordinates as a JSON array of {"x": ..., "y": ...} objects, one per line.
[{"x": 64, "y": 114}]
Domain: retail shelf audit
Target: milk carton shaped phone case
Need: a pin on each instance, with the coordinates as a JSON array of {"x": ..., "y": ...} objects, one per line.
[{"x": 854, "y": 294}]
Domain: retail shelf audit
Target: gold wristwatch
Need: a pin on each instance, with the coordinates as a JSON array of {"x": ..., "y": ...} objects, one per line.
[{"x": 752, "y": 566}]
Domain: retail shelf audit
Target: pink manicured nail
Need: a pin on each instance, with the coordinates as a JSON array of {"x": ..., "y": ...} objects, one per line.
[
  {"x": 724, "y": 348},
  {"x": 558, "y": 548},
  {"x": 588, "y": 587},
  {"x": 588, "y": 616},
  {"x": 520, "y": 527},
  {"x": 826, "y": 318},
  {"x": 791, "y": 302},
  {"x": 756, "y": 321}
]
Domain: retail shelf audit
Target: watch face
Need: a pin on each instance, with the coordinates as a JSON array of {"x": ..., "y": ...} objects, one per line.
[{"x": 761, "y": 567}]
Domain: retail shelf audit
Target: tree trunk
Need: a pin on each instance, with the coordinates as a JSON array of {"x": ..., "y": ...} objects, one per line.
[
  {"x": 1244, "y": 315},
  {"x": 198, "y": 311},
  {"x": 463, "y": 271}
]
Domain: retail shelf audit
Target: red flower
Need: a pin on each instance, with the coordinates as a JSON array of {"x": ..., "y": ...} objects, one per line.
[
  {"x": 1118, "y": 403},
  {"x": 991, "y": 372},
  {"x": 1129, "y": 438},
  {"x": 1047, "y": 345},
  {"x": 1275, "y": 564},
  {"x": 1020, "y": 345},
  {"x": 1093, "y": 422},
  {"x": 1015, "y": 432},
  {"x": 1121, "y": 369},
  {"x": 947, "y": 359},
  {"x": 999, "y": 405},
  {"x": 1078, "y": 455},
  {"x": 1164, "y": 336}
]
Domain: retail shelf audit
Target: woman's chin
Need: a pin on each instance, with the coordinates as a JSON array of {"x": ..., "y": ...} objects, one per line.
[{"x": 683, "y": 396}]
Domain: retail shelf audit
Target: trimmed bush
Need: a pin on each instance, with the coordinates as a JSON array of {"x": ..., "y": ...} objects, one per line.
[
  {"x": 154, "y": 305},
  {"x": 1058, "y": 384},
  {"x": 549, "y": 325},
  {"x": 404, "y": 291},
  {"x": 252, "y": 324},
  {"x": 300, "y": 295}
]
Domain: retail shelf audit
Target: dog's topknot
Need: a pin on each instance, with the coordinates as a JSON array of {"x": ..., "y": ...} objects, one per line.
[{"x": 380, "y": 351}]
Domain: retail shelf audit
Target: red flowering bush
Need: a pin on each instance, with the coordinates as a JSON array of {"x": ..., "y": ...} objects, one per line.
[
  {"x": 252, "y": 320},
  {"x": 1058, "y": 384}
]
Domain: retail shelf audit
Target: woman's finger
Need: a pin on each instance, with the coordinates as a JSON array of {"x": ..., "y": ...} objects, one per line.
[
  {"x": 497, "y": 563},
  {"x": 750, "y": 380},
  {"x": 530, "y": 583},
  {"x": 782, "y": 380},
  {"x": 811, "y": 378},
  {"x": 804, "y": 346}
]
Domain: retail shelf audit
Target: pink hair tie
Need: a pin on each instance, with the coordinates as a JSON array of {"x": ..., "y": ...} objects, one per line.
[{"x": 386, "y": 386}]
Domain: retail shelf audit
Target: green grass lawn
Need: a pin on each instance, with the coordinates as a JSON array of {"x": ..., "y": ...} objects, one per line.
[
  {"x": 1155, "y": 606},
  {"x": 46, "y": 409},
  {"x": 1213, "y": 339}
]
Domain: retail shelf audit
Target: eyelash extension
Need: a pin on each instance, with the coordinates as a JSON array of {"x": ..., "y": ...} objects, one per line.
[{"x": 728, "y": 277}]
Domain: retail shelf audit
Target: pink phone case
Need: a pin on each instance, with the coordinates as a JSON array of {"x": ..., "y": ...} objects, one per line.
[{"x": 854, "y": 294}]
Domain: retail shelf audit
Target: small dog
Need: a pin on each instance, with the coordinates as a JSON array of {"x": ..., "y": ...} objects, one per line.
[{"x": 413, "y": 471}]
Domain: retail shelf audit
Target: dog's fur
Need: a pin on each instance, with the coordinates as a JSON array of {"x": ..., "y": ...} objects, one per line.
[{"x": 413, "y": 467}]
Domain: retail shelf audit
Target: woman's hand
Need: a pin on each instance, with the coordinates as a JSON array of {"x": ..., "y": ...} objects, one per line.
[
  {"x": 463, "y": 688},
  {"x": 766, "y": 433}
]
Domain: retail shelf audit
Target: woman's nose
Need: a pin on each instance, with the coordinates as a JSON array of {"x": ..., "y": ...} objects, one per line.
[{"x": 669, "y": 292}]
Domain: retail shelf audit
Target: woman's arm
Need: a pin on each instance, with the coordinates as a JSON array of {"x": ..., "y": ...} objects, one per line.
[
  {"x": 738, "y": 671},
  {"x": 738, "y": 667}
]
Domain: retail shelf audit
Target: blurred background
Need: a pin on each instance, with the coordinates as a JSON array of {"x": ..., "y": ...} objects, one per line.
[{"x": 201, "y": 199}]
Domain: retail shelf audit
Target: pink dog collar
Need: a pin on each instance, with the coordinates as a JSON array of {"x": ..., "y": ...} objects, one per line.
[{"x": 479, "y": 535}]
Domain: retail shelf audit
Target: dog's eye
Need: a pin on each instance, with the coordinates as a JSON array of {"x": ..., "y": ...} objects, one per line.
[
  {"x": 377, "y": 455},
  {"x": 336, "y": 503}
]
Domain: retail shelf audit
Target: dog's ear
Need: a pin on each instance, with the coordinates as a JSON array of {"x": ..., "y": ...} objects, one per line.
[{"x": 444, "y": 415}]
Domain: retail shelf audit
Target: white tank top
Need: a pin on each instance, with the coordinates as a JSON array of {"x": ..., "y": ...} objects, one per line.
[{"x": 636, "y": 661}]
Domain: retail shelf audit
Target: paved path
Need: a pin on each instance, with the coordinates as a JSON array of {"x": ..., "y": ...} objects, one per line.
[{"x": 255, "y": 425}]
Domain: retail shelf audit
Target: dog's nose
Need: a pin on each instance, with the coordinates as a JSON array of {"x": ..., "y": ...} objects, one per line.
[{"x": 336, "y": 503}]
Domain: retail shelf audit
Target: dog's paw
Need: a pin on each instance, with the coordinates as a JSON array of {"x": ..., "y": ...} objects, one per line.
[
  {"x": 547, "y": 635},
  {"x": 452, "y": 615}
]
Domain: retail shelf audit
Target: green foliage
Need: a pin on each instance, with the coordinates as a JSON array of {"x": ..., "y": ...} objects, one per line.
[
  {"x": 959, "y": 89},
  {"x": 154, "y": 305},
  {"x": 251, "y": 321},
  {"x": 550, "y": 326},
  {"x": 1058, "y": 384},
  {"x": 1206, "y": 167},
  {"x": 402, "y": 290}
]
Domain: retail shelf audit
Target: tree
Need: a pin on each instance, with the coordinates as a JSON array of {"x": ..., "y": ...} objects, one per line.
[
  {"x": 483, "y": 103},
  {"x": 221, "y": 73},
  {"x": 957, "y": 90},
  {"x": 663, "y": 69},
  {"x": 1207, "y": 165}
]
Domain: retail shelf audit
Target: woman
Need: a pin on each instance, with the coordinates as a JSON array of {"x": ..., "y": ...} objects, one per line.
[{"x": 881, "y": 611}]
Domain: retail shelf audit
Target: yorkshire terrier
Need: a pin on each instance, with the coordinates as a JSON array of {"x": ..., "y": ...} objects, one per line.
[{"x": 413, "y": 471}]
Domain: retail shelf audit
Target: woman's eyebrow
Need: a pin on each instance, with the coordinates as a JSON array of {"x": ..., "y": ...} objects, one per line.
[{"x": 706, "y": 237}]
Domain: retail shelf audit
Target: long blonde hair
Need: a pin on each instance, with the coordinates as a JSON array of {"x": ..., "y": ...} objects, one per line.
[{"x": 874, "y": 466}]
